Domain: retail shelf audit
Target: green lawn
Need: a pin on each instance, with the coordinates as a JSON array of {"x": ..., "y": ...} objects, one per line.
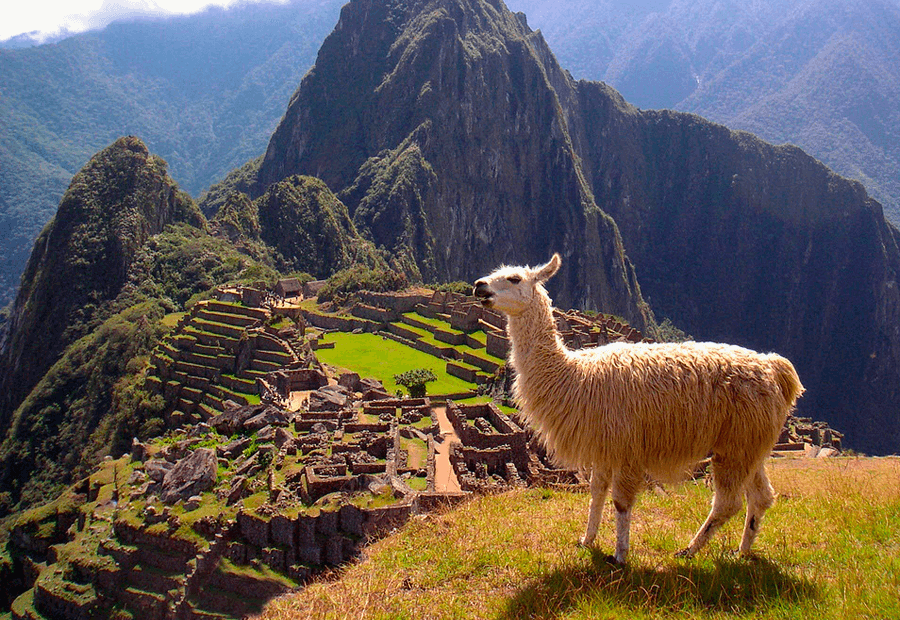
[{"x": 370, "y": 355}]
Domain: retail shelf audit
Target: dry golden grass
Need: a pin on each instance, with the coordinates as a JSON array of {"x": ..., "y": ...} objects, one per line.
[{"x": 830, "y": 548}]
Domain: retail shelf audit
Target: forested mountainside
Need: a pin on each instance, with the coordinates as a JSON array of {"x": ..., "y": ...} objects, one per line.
[
  {"x": 205, "y": 92},
  {"x": 821, "y": 74},
  {"x": 125, "y": 249},
  {"x": 458, "y": 142}
]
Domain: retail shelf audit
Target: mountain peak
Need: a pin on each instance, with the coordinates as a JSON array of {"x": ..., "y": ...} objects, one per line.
[
  {"x": 81, "y": 258},
  {"x": 439, "y": 124}
]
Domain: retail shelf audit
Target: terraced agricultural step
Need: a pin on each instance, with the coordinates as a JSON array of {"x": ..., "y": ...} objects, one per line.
[
  {"x": 223, "y": 329},
  {"x": 227, "y": 343},
  {"x": 412, "y": 332},
  {"x": 192, "y": 394},
  {"x": 211, "y": 351},
  {"x": 194, "y": 381},
  {"x": 185, "y": 406},
  {"x": 150, "y": 604},
  {"x": 226, "y": 308},
  {"x": 207, "y": 372},
  {"x": 238, "y": 384},
  {"x": 450, "y": 336},
  {"x": 264, "y": 366},
  {"x": 184, "y": 340},
  {"x": 463, "y": 371},
  {"x": 212, "y": 361},
  {"x": 276, "y": 357},
  {"x": 252, "y": 375},
  {"x": 223, "y": 393},
  {"x": 237, "y": 320},
  {"x": 154, "y": 384},
  {"x": 484, "y": 364},
  {"x": 210, "y": 407},
  {"x": 413, "y": 321},
  {"x": 150, "y": 579}
]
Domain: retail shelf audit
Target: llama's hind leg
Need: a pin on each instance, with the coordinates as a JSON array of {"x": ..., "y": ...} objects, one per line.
[
  {"x": 599, "y": 488},
  {"x": 726, "y": 503},
  {"x": 760, "y": 498}
]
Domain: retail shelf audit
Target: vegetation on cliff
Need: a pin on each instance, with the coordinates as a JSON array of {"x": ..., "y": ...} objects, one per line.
[
  {"x": 82, "y": 259},
  {"x": 309, "y": 228}
]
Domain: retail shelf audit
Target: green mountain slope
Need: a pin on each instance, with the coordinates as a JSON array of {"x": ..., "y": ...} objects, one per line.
[
  {"x": 204, "y": 91},
  {"x": 82, "y": 258}
]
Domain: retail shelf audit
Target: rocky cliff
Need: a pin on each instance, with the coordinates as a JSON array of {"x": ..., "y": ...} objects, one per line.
[
  {"x": 454, "y": 138},
  {"x": 81, "y": 259},
  {"x": 742, "y": 241},
  {"x": 439, "y": 126}
]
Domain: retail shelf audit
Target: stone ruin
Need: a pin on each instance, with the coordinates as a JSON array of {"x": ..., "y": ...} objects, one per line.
[{"x": 496, "y": 453}]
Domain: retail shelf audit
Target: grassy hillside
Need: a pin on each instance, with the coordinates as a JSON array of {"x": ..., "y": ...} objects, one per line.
[
  {"x": 828, "y": 549},
  {"x": 204, "y": 91}
]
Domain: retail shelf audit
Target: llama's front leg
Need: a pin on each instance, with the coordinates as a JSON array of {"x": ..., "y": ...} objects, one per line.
[{"x": 599, "y": 487}]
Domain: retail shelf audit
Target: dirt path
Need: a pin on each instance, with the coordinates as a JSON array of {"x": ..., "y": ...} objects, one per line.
[{"x": 444, "y": 476}]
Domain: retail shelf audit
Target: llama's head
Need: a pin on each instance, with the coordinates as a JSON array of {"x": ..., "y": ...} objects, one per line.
[{"x": 513, "y": 289}]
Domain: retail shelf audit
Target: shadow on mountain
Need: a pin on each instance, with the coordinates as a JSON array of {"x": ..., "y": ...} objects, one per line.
[{"x": 730, "y": 585}]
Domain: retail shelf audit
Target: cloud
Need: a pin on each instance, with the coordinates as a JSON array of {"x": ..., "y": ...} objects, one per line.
[{"x": 45, "y": 19}]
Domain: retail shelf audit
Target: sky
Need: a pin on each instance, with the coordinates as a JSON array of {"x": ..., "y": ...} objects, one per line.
[{"x": 52, "y": 17}]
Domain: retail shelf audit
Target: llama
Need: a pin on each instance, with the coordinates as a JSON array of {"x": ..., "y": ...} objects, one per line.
[{"x": 628, "y": 411}]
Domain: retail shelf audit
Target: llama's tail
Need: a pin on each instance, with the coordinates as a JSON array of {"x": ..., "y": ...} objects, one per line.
[{"x": 788, "y": 380}]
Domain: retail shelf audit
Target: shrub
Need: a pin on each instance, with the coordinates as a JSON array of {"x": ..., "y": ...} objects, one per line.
[
  {"x": 415, "y": 380},
  {"x": 463, "y": 288}
]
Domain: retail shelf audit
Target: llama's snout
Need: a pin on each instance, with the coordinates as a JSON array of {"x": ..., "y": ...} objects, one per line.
[{"x": 483, "y": 292}]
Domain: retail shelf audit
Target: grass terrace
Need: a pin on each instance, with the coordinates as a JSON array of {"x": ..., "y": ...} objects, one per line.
[{"x": 371, "y": 355}]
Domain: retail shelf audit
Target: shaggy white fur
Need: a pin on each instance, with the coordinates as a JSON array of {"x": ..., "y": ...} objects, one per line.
[{"x": 626, "y": 411}]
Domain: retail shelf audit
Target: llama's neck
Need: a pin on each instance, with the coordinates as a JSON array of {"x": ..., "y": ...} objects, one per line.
[{"x": 533, "y": 338}]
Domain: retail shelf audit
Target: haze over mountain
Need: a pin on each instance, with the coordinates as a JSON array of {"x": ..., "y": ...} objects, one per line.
[
  {"x": 821, "y": 74},
  {"x": 204, "y": 91}
]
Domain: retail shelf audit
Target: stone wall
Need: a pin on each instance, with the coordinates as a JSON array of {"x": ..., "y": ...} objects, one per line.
[
  {"x": 507, "y": 432},
  {"x": 374, "y": 313},
  {"x": 398, "y": 302},
  {"x": 339, "y": 323}
]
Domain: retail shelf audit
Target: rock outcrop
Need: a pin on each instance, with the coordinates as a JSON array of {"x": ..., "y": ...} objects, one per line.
[{"x": 190, "y": 476}]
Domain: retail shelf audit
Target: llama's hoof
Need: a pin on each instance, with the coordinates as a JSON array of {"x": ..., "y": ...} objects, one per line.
[
  {"x": 584, "y": 541},
  {"x": 686, "y": 554},
  {"x": 613, "y": 560}
]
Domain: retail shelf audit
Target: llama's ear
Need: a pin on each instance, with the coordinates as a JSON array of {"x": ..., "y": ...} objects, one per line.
[{"x": 549, "y": 270}]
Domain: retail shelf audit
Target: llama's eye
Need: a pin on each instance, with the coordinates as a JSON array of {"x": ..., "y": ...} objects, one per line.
[{"x": 514, "y": 279}]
